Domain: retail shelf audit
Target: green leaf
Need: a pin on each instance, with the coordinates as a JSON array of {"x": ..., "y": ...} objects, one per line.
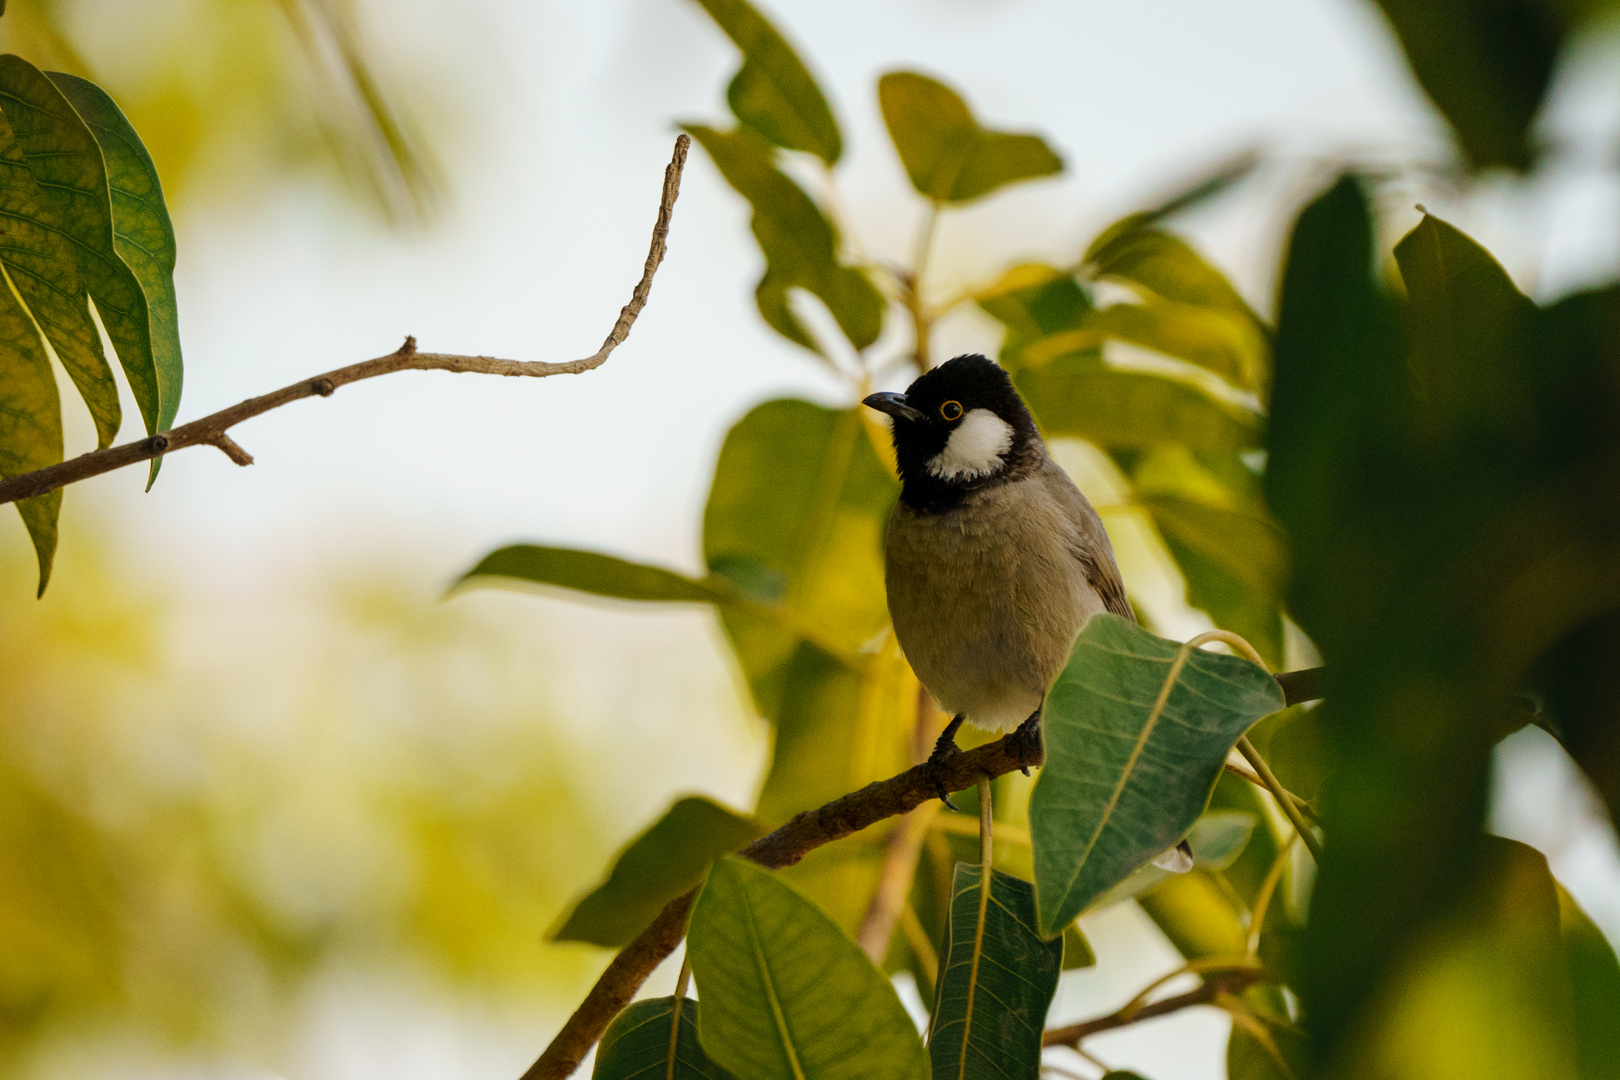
[
  {"x": 636, "y": 1045},
  {"x": 1162, "y": 264},
  {"x": 40, "y": 261},
  {"x": 1137, "y": 729},
  {"x": 594, "y": 573},
  {"x": 1196, "y": 915},
  {"x": 662, "y": 863},
  {"x": 142, "y": 234},
  {"x": 1226, "y": 343},
  {"x": 948, "y": 155},
  {"x": 1216, "y": 839},
  {"x": 997, "y": 979},
  {"x": 1077, "y": 951},
  {"x": 774, "y": 93},
  {"x": 1033, "y": 301},
  {"x": 799, "y": 498},
  {"x": 1594, "y": 981},
  {"x": 67, "y": 163},
  {"x": 1076, "y": 394},
  {"x": 30, "y": 423},
  {"x": 786, "y": 994},
  {"x": 799, "y": 243},
  {"x": 1486, "y": 65}
]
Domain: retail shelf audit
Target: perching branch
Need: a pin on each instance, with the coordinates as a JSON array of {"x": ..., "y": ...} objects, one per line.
[
  {"x": 210, "y": 430},
  {"x": 1230, "y": 980},
  {"x": 786, "y": 846}
]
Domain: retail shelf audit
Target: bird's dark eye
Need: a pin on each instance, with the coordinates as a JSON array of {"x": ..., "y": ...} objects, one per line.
[{"x": 951, "y": 410}]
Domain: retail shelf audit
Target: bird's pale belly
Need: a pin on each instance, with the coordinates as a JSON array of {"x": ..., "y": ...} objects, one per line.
[{"x": 986, "y": 605}]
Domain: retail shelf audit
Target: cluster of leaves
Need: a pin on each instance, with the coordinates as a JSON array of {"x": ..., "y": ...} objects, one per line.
[
  {"x": 86, "y": 240},
  {"x": 1419, "y": 460}
]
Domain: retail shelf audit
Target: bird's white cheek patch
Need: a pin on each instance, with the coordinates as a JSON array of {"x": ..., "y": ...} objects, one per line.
[{"x": 976, "y": 448}]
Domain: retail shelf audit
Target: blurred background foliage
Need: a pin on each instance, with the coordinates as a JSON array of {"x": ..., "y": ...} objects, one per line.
[{"x": 204, "y": 839}]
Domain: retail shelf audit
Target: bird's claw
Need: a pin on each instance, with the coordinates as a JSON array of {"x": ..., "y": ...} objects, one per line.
[
  {"x": 1026, "y": 742},
  {"x": 944, "y": 751}
]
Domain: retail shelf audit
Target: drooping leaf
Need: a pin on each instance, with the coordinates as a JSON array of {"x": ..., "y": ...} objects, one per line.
[
  {"x": 1076, "y": 394},
  {"x": 1594, "y": 983},
  {"x": 662, "y": 863},
  {"x": 594, "y": 573},
  {"x": 142, "y": 234},
  {"x": 786, "y": 994},
  {"x": 1486, "y": 64},
  {"x": 30, "y": 423},
  {"x": 948, "y": 155},
  {"x": 66, "y": 161},
  {"x": 799, "y": 243},
  {"x": 996, "y": 981},
  {"x": 39, "y": 259},
  {"x": 1137, "y": 729},
  {"x": 774, "y": 93},
  {"x": 636, "y": 1046},
  {"x": 798, "y": 507}
]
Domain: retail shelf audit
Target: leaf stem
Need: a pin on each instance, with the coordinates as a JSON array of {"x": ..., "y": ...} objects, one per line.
[
  {"x": 210, "y": 430},
  {"x": 675, "y": 1017}
]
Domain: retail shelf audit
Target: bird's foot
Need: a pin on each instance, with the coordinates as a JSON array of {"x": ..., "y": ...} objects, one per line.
[
  {"x": 945, "y": 750},
  {"x": 1026, "y": 742}
]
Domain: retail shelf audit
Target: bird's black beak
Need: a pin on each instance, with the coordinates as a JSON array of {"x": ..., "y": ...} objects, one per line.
[{"x": 893, "y": 404}]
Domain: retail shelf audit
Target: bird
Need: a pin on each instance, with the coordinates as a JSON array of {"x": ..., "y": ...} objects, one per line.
[{"x": 994, "y": 560}]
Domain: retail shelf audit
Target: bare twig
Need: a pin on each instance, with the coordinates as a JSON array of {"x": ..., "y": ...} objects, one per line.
[
  {"x": 210, "y": 430},
  {"x": 1216, "y": 984},
  {"x": 786, "y": 846}
]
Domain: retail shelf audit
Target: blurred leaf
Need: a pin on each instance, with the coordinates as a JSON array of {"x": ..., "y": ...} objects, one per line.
[
  {"x": 39, "y": 259},
  {"x": 1218, "y": 838},
  {"x": 1215, "y": 182},
  {"x": 1594, "y": 981},
  {"x": 67, "y": 163},
  {"x": 786, "y": 994},
  {"x": 1032, "y": 301},
  {"x": 662, "y": 863},
  {"x": 948, "y": 155},
  {"x": 997, "y": 979},
  {"x": 595, "y": 573},
  {"x": 1137, "y": 729},
  {"x": 1485, "y": 64},
  {"x": 1162, "y": 264},
  {"x": 1077, "y": 951},
  {"x": 1121, "y": 1074},
  {"x": 774, "y": 93},
  {"x": 799, "y": 497},
  {"x": 30, "y": 423},
  {"x": 799, "y": 243},
  {"x": 1196, "y": 915},
  {"x": 142, "y": 234},
  {"x": 637, "y": 1045},
  {"x": 1228, "y": 345},
  {"x": 1076, "y": 394},
  {"x": 1247, "y": 1058}
]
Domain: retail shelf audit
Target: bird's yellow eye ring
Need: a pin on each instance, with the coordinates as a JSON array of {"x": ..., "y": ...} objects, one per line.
[{"x": 951, "y": 410}]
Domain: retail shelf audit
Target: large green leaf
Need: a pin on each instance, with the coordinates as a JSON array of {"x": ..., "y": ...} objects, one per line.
[
  {"x": 786, "y": 994},
  {"x": 1076, "y": 394},
  {"x": 1162, "y": 264},
  {"x": 1228, "y": 344},
  {"x": 142, "y": 234},
  {"x": 636, "y": 1046},
  {"x": 66, "y": 161},
  {"x": 799, "y": 243},
  {"x": 1486, "y": 64},
  {"x": 996, "y": 981},
  {"x": 38, "y": 257},
  {"x": 662, "y": 863},
  {"x": 948, "y": 155},
  {"x": 1594, "y": 982},
  {"x": 795, "y": 517},
  {"x": 774, "y": 92},
  {"x": 30, "y": 423},
  {"x": 1033, "y": 301},
  {"x": 1137, "y": 729}
]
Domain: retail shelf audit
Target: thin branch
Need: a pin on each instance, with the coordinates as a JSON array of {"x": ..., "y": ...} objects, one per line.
[
  {"x": 1281, "y": 794},
  {"x": 1254, "y": 778},
  {"x": 210, "y": 430},
  {"x": 1216, "y": 983},
  {"x": 875, "y": 802}
]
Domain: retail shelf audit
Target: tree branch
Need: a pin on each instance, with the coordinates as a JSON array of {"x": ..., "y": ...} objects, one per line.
[
  {"x": 1229, "y": 980},
  {"x": 210, "y": 430},
  {"x": 786, "y": 846}
]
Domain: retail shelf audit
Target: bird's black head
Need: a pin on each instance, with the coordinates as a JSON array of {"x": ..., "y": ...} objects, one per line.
[{"x": 959, "y": 427}]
